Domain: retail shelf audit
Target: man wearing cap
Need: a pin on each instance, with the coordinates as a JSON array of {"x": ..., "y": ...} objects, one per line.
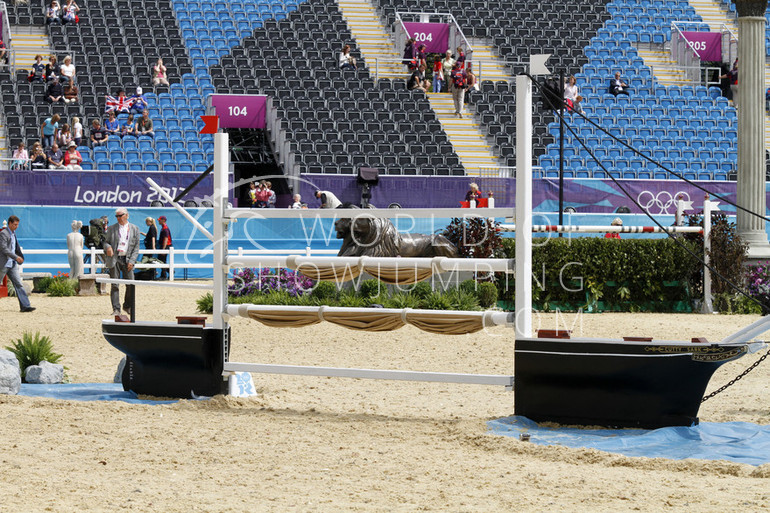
[
  {"x": 138, "y": 102},
  {"x": 121, "y": 249},
  {"x": 164, "y": 242},
  {"x": 72, "y": 158},
  {"x": 11, "y": 258}
]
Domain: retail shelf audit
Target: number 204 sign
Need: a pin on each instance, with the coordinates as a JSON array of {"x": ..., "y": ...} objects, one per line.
[{"x": 240, "y": 110}]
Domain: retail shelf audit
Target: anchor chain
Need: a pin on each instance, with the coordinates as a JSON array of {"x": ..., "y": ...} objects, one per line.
[{"x": 736, "y": 378}]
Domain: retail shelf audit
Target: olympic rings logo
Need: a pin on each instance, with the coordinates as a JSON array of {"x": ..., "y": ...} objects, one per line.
[{"x": 663, "y": 200}]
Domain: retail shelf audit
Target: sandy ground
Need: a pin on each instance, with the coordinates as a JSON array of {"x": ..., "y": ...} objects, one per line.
[{"x": 326, "y": 444}]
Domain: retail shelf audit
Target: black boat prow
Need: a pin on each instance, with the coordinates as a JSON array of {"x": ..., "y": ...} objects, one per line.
[
  {"x": 615, "y": 383},
  {"x": 169, "y": 359}
]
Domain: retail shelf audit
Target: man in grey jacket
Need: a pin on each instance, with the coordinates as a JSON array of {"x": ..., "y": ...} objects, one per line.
[
  {"x": 121, "y": 249},
  {"x": 11, "y": 258}
]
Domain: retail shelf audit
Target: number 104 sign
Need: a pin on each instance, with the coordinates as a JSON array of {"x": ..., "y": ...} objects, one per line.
[{"x": 240, "y": 110}]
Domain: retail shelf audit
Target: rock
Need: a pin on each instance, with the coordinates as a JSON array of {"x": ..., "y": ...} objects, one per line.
[
  {"x": 10, "y": 373},
  {"x": 45, "y": 373},
  {"x": 119, "y": 373}
]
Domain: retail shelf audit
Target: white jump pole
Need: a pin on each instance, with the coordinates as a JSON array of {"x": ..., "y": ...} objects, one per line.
[
  {"x": 220, "y": 196},
  {"x": 523, "y": 300},
  {"x": 708, "y": 207}
]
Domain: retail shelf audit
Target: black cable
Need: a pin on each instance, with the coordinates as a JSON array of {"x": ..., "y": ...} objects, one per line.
[
  {"x": 649, "y": 159},
  {"x": 669, "y": 234}
]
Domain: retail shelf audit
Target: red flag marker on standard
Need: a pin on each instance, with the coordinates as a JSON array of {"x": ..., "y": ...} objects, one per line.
[{"x": 211, "y": 124}]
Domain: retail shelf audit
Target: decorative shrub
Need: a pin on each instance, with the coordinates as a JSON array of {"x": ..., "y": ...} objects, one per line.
[
  {"x": 633, "y": 274},
  {"x": 475, "y": 237},
  {"x": 421, "y": 290},
  {"x": 205, "y": 303},
  {"x": 31, "y": 350},
  {"x": 248, "y": 280},
  {"x": 62, "y": 287},
  {"x": 402, "y": 301},
  {"x": 487, "y": 294},
  {"x": 758, "y": 284},
  {"x": 44, "y": 282},
  {"x": 325, "y": 290},
  {"x": 462, "y": 300},
  {"x": 372, "y": 288}
]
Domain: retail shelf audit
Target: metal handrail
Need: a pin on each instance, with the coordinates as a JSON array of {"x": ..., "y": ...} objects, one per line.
[
  {"x": 455, "y": 32},
  {"x": 684, "y": 54}
]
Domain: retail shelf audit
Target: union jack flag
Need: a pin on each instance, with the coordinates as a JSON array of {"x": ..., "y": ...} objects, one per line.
[{"x": 118, "y": 104}]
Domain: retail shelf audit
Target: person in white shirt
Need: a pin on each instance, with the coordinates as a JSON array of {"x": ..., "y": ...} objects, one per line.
[
  {"x": 328, "y": 199},
  {"x": 67, "y": 71},
  {"x": 347, "y": 61},
  {"x": 121, "y": 249},
  {"x": 297, "y": 202}
]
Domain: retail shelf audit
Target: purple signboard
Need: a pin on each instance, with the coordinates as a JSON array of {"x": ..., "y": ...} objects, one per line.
[
  {"x": 435, "y": 36},
  {"x": 707, "y": 44},
  {"x": 240, "y": 110},
  {"x": 90, "y": 188}
]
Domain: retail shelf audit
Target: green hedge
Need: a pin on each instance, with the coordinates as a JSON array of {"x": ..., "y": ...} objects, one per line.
[{"x": 607, "y": 274}]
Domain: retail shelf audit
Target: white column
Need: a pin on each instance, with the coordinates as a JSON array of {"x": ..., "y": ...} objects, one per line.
[
  {"x": 523, "y": 300},
  {"x": 220, "y": 196},
  {"x": 751, "y": 133}
]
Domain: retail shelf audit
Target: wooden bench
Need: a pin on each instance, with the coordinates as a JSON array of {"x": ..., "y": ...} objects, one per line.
[{"x": 87, "y": 285}]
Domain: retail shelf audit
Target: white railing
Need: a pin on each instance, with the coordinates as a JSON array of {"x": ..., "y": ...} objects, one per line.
[
  {"x": 6, "y": 35},
  {"x": 498, "y": 172},
  {"x": 689, "y": 59},
  {"x": 177, "y": 258}
]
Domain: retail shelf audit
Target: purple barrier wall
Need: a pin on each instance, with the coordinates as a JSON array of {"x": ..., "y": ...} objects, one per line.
[
  {"x": 85, "y": 188},
  {"x": 707, "y": 44},
  {"x": 585, "y": 195}
]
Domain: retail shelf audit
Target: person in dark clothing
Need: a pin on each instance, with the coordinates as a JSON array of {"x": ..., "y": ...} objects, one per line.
[
  {"x": 410, "y": 54},
  {"x": 164, "y": 242},
  {"x": 55, "y": 92},
  {"x": 417, "y": 80}
]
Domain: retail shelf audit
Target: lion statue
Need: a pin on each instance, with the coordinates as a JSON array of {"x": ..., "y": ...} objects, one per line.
[{"x": 366, "y": 236}]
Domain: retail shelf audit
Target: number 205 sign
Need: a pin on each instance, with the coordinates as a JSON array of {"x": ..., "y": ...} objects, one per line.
[{"x": 240, "y": 110}]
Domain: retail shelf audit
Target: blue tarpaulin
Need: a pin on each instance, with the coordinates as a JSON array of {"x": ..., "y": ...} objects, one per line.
[
  {"x": 86, "y": 392},
  {"x": 740, "y": 442}
]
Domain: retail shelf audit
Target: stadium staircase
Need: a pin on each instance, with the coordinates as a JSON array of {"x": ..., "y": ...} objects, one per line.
[
  {"x": 663, "y": 66},
  {"x": 465, "y": 134},
  {"x": 372, "y": 39},
  {"x": 716, "y": 15},
  {"x": 487, "y": 62}
]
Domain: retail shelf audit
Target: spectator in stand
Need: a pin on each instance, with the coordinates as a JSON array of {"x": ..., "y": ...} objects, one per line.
[
  {"x": 3, "y": 52},
  {"x": 144, "y": 125},
  {"x": 618, "y": 86},
  {"x": 570, "y": 91},
  {"x": 73, "y": 159},
  {"x": 261, "y": 195},
  {"x": 472, "y": 86},
  {"x": 253, "y": 194},
  {"x": 55, "y": 157},
  {"x": 111, "y": 124},
  {"x": 67, "y": 71},
  {"x": 20, "y": 158},
  {"x": 298, "y": 203},
  {"x": 473, "y": 194},
  {"x": 138, "y": 102},
  {"x": 50, "y": 130},
  {"x": 346, "y": 60},
  {"x": 270, "y": 194},
  {"x": 614, "y": 235},
  {"x": 438, "y": 76},
  {"x": 53, "y": 13},
  {"x": 417, "y": 80},
  {"x": 118, "y": 103},
  {"x": 732, "y": 75},
  {"x": 64, "y": 136},
  {"x": 52, "y": 69},
  {"x": 129, "y": 127},
  {"x": 37, "y": 73},
  {"x": 70, "y": 14},
  {"x": 159, "y": 74},
  {"x": 422, "y": 56},
  {"x": 99, "y": 135},
  {"x": 328, "y": 199},
  {"x": 410, "y": 54},
  {"x": 459, "y": 81},
  {"x": 55, "y": 92},
  {"x": 71, "y": 93},
  {"x": 39, "y": 160},
  {"x": 460, "y": 57},
  {"x": 447, "y": 63},
  {"x": 77, "y": 131}
]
